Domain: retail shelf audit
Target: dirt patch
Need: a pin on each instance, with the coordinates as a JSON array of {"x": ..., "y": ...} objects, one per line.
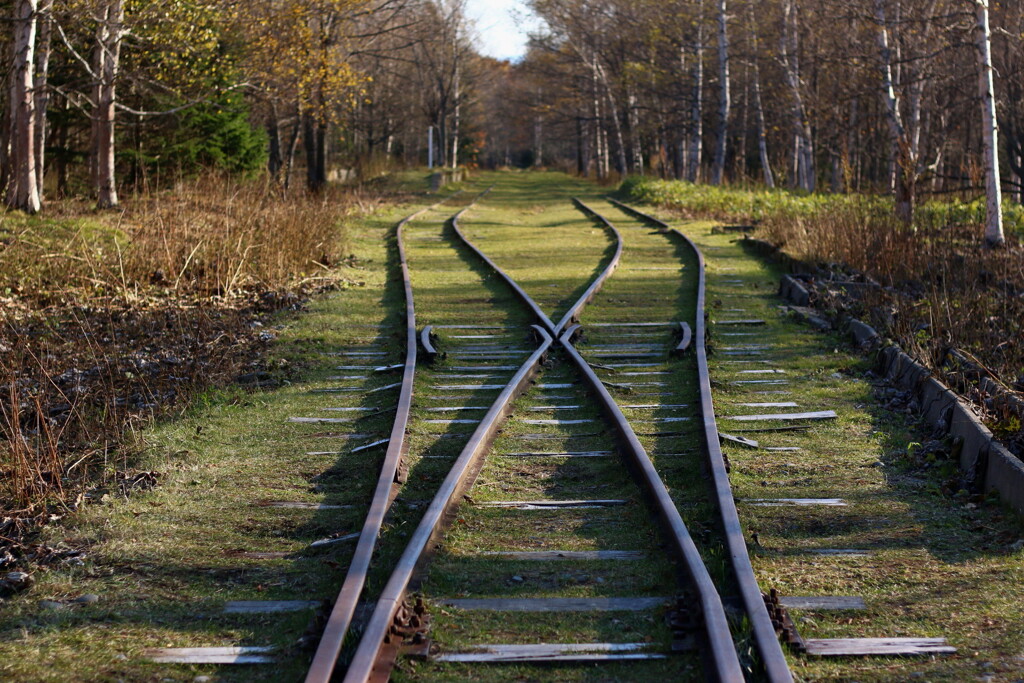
[{"x": 79, "y": 381}]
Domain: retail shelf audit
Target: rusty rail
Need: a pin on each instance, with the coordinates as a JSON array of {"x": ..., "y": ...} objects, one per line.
[
  {"x": 723, "y": 652},
  {"x": 773, "y": 660},
  {"x": 573, "y": 313},
  {"x": 326, "y": 656},
  {"x": 459, "y": 479},
  {"x": 726, "y": 663},
  {"x": 463, "y": 473}
]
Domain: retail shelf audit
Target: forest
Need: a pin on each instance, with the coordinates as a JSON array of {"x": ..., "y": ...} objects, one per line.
[{"x": 909, "y": 98}]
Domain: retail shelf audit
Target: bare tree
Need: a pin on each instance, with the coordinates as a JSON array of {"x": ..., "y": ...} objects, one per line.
[
  {"x": 106, "y": 63},
  {"x": 721, "y": 139},
  {"x": 990, "y": 128},
  {"x": 697, "y": 101},
  {"x": 762, "y": 133},
  {"x": 803, "y": 172},
  {"x": 23, "y": 187}
]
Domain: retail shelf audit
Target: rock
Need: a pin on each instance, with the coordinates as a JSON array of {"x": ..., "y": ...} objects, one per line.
[
  {"x": 17, "y": 581},
  {"x": 87, "y": 599},
  {"x": 51, "y": 604},
  {"x": 517, "y": 579},
  {"x": 201, "y": 679}
]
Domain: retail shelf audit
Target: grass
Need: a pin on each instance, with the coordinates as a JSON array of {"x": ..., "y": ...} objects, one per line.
[
  {"x": 113, "y": 318},
  {"x": 522, "y": 213}
]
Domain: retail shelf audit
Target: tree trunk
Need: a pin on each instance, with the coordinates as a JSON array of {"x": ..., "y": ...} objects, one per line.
[
  {"x": 804, "y": 173},
  {"x": 990, "y": 128},
  {"x": 582, "y": 163},
  {"x": 23, "y": 189},
  {"x": 538, "y": 135},
  {"x": 109, "y": 33},
  {"x": 293, "y": 148},
  {"x": 599, "y": 152},
  {"x": 718, "y": 164},
  {"x": 613, "y": 114},
  {"x": 275, "y": 161},
  {"x": 902, "y": 172},
  {"x": 762, "y": 130},
  {"x": 697, "y": 102},
  {"x": 62, "y": 145},
  {"x": 315, "y": 140},
  {"x": 456, "y": 119},
  {"x": 636, "y": 149},
  {"x": 41, "y": 86}
]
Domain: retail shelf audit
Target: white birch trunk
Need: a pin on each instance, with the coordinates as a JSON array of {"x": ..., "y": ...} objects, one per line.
[
  {"x": 456, "y": 116},
  {"x": 990, "y": 128},
  {"x": 108, "y": 52},
  {"x": 697, "y": 102},
  {"x": 762, "y": 131},
  {"x": 718, "y": 164},
  {"x": 804, "y": 174},
  {"x": 23, "y": 189},
  {"x": 637, "y": 154},
  {"x": 897, "y": 131},
  {"x": 41, "y": 86}
]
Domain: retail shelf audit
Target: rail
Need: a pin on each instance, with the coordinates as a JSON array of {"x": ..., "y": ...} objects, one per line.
[
  {"x": 773, "y": 660},
  {"x": 340, "y": 619},
  {"x": 725, "y": 660}
]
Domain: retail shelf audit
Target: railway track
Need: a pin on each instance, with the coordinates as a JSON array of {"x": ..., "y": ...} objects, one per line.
[
  {"x": 525, "y": 468},
  {"x": 562, "y": 420},
  {"x": 550, "y": 479},
  {"x": 552, "y": 487}
]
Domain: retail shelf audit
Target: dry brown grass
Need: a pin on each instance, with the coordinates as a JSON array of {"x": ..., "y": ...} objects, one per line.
[
  {"x": 941, "y": 287},
  {"x": 110, "y": 318}
]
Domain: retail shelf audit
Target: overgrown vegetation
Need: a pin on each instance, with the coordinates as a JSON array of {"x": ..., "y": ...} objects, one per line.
[
  {"x": 111, "y": 319},
  {"x": 939, "y": 287}
]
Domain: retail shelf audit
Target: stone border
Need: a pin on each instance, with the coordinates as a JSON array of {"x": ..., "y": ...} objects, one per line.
[{"x": 988, "y": 464}]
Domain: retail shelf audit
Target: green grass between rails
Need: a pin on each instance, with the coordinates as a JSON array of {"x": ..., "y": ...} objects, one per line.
[{"x": 528, "y": 225}]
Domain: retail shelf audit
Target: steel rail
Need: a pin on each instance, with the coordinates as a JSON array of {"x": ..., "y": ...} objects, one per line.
[
  {"x": 463, "y": 473},
  {"x": 573, "y": 313},
  {"x": 340, "y": 619},
  {"x": 459, "y": 480},
  {"x": 723, "y": 655},
  {"x": 773, "y": 660},
  {"x": 519, "y": 292}
]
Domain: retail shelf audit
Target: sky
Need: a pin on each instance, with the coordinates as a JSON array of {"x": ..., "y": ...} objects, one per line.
[{"x": 501, "y": 26}]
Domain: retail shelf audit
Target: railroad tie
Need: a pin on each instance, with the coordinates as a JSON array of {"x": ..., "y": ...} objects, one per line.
[
  {"x": 210, "y": 655},
  {"x": 555, "y": 604},
  {"x": 552, "y": 652},
  {"x": 816, "y": 415}
]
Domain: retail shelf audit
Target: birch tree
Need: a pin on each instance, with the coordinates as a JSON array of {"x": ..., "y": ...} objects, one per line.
[
  {"x": 762, "y": 133},
  {"x": 803, "y": 172},
  {"x": 106, "y": 63},
  {"x": 23, "y": 188},
  {"x": 990, "y": 128},
  {"x": 697, "y": 100},
  {"x": 721, "y": 138}
]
